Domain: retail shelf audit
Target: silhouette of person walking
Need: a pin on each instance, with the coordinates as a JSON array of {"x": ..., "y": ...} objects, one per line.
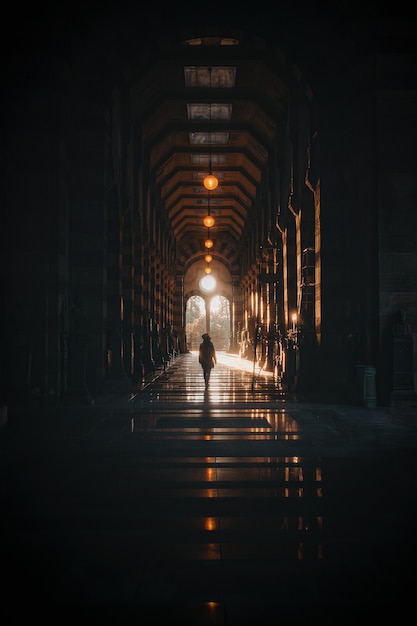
[{"x": 207, "y": 356}]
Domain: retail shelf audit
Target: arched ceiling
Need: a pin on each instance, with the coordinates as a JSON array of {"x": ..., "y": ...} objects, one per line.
[
  {"x": 196, "y": 92},
  {"x": 218, "y": 100}
]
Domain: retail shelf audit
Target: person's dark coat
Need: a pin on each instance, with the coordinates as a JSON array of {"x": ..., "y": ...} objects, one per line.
[{"x": 207, "y": 353}]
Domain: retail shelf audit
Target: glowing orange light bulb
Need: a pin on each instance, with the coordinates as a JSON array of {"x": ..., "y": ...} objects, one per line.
[
  {"x": 208, "y": 221},
  {"x": 210, "y": 182}
]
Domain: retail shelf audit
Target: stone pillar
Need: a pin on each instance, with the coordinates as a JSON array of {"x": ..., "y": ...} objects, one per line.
[{"x": 403, "y": 392}]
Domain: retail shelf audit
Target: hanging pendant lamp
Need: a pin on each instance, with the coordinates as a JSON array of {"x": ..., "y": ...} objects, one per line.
[
  {"x": 208, "y": 242},
  {"x": 211, "y": 181},
  {"x": 209, "y": 219}
]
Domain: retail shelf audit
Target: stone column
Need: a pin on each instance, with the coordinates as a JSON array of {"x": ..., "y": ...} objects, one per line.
[{"x": 403, "y": 392}]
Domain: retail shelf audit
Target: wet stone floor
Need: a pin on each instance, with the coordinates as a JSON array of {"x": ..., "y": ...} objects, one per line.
[{"x": 227, "y": 505}]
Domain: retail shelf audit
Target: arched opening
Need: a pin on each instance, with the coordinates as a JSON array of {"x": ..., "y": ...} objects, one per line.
[
  {"x": 195, "y": 321},
  {"x": 217, "y": 324},
  {"x": 220, "y": 323}
]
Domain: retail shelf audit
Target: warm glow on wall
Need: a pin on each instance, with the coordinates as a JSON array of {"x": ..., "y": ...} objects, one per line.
[{"x": 294, "y": 321}]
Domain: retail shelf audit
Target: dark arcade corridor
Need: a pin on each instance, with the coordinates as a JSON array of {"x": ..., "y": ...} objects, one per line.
[
  {"x": 286, "y": 490},
  {"x": 229, "y": 506}
]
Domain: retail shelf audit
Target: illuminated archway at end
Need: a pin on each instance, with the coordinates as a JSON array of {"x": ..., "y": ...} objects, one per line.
[{"x": 208, "y": 283}]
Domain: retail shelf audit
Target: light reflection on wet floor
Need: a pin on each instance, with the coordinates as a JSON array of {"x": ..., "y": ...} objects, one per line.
[{"x": 229, "y": 506}]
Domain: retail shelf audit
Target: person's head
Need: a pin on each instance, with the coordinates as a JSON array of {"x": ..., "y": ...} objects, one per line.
[{"x": 206, "y": 337}]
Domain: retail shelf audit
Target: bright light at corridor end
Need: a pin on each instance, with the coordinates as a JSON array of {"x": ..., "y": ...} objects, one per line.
[{"x": 208, "y": 283}]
